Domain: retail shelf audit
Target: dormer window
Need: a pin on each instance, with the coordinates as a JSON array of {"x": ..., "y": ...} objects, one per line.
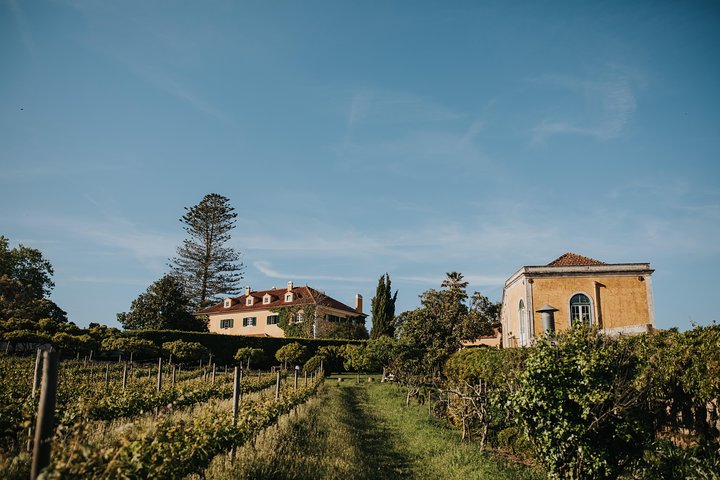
[
  {"x": 249, "y": 301},
  {"x": 267, "y": 299},
  {"x": 228, "y": 303},
  {"x": 289, "y": 297}
]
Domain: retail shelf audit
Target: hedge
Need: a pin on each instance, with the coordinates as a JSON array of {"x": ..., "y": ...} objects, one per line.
[{"x": 223, "y": 347}]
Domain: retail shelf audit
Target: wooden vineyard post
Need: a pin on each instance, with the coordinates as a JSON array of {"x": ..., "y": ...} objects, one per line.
[
  {"x": 297, "y": 369},
  {"x": 236, "y": 393},
  {"x": 46, "y": 412},
  {"x": 305, "y": 375},
  {"x": 37, "y": 376},
  {"x": 277, "y": 385},
  {"x": 107, "y": 375},
  {"x": 235, "y": 405},
  {"x": 38, "y": 370},
  {"x": 174, "y": 374},
  {"x": 213, "y": 374},
  {"x": 125, "y": 372},
  {"x": 131, "y": 358},
  {"x": 159, "y": 375}
]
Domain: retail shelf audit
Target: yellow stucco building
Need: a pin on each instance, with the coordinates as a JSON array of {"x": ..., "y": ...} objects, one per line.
[
  {"x": 616, "y": 297},
  {"x": 256, "y": 312}
]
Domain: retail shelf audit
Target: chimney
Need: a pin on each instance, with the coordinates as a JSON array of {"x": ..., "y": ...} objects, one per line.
[
  {"x": 290, "y": 286},
  {"x": 358, "y": 303},
  {"x": 247, "y": 290}
]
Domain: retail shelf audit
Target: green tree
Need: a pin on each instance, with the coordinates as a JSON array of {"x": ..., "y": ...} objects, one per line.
[
  {"x": 249, "y": 355},
  {"x": 163, "y": 306},
  {"x": 383, "y": 309},
  {"x": 74, "y": 343},
  {"x": 183, "y": 351},
  {"x": 356, "y": 358},
  {"x": 128, "y": 345},
  {"x": 381, "y": 351},
  {"x": 436, "y": 329},
  {"x": 25, "y": 281},
  {"x": 292, "y": 353},
  {"x": 207, "y": 267}
]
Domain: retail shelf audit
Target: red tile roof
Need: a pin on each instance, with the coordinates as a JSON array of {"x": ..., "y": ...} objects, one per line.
[
  {"x": 303, "y": 296},
  {"x": 573, "y": 259}
]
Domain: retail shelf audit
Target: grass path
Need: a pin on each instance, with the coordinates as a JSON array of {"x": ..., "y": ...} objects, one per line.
[{"x": 363, "y": 431}]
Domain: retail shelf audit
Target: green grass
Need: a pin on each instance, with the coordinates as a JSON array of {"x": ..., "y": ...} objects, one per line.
[{"x": 363, "y": 431}]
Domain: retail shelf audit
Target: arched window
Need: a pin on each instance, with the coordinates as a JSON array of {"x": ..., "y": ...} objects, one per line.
[
  {"x": 580, "y": 309},
  {"x": 523, "y": 323}
]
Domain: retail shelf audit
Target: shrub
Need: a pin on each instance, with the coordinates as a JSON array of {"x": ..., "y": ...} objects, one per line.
[
  {"x": 248, "y": 355},
  {"x": 292, "y": 353},
  {"x": 185, "y": 351},
  {"x": 579, "y": 403}
]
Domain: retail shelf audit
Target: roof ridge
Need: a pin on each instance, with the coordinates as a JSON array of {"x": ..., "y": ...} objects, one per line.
[{"x": 570, "y": 258}]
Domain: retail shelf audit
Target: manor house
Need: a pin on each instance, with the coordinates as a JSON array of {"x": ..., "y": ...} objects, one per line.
[{"x": 258, "y": 313}]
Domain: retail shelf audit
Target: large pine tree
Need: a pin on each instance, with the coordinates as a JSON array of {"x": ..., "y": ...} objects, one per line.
[
  {"x": 383, "y": 309},
  {"x": 206, "y": 266}
]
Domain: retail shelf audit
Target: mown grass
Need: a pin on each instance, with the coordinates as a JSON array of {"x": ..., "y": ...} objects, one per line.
[
  {"x": 362, "y": 431},
  {"x": 434, "y": 449}
]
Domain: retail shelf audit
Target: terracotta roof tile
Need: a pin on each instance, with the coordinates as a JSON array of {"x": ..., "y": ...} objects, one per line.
[
  {"x": 303, "y": 296},
  {"x": 573, "y": 259}
]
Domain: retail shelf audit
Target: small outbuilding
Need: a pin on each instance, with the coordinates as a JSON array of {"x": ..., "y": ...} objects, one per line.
[{"x": 616, "y": 297}]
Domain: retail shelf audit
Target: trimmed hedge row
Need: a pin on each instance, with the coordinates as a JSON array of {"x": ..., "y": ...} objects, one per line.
[{"x": 223, "y": 347}]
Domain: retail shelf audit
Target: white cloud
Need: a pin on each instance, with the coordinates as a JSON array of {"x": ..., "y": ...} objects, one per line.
[
  {"x": 375, "y": 107},
  {"x": 610, "y": 99},
  {"x": 266, "y": 269}
]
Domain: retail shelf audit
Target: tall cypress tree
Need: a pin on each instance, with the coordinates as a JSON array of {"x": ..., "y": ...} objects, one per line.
[
  {"x": 205, "y": 265},
  {"x": 383, "y": 309}
]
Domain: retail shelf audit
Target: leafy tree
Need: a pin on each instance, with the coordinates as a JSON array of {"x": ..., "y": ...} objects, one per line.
[
  {"x": 381, "y": 351},
  {"x": 436, "y": 329},
  {"x": 74, "y": 343},
  {"x": 25, "y": 281},
  {"x": 248, "y": 355},
  {"x": 26, "y": 338},
  {"x": 383, "y": 309},
  {"x": 292, "y": 353},
  {"x": 128, "y": 345},
  {"x": 206, "y": 266},
  {"x": 356, "y": 358},
  {"x": 163, "y": 306},
  {"x": 183, "y": 351}
]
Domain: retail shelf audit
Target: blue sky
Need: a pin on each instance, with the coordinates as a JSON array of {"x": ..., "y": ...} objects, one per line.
[{"x": 358, "y": 138}]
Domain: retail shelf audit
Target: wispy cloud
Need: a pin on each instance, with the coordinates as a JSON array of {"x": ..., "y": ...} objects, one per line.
[
  {"x": 109, "y": 280},
  {"x": 173, "y": 86},
  {"x": 610, "y": 103},
  {"x": 266, "y": 269},
  {"x": 114, "y": 235},
  {"x": 23, "y": 29},
  {"x": 375, "y": 107}
]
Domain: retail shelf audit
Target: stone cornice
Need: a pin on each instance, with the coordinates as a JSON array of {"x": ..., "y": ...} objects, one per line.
[{"x": 624, "y": 269}]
